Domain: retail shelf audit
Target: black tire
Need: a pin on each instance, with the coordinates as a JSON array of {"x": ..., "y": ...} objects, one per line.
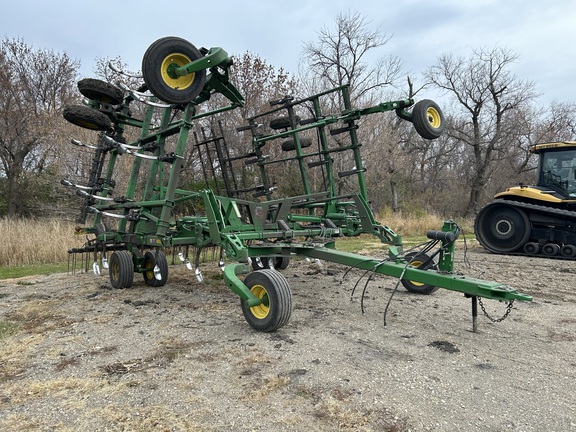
[
  {"x": 151, "y": 259},
  {"x": 100, "y": 91},
  {"x": 290, "y": 145},
  {"x": 260, "y": 263},
  {"x": 532, "y": 248},
  {"x": 281, "y": 263},
  {"x": 121, "y": 269},
  {"x": 568, "y": 250},
  {"x": 418, "y": 259},
  {"x": 283, "y": 122},
  {"x": 276, "y": 308},
  {"x": 274, "y": 263},
  {"x": 159, "y": 58},
  {"x": 428, "y": 119},
  {"x": 551, "y": 249},
  {"x": 87, "y": 117},
  {"x": 502, "y": 228}
]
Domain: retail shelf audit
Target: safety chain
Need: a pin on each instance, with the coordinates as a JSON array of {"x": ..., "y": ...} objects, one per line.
[{"x": 494, "y": 320}]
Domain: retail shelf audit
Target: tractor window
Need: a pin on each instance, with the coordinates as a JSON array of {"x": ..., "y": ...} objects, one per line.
[{"x": 559, "y": 171}]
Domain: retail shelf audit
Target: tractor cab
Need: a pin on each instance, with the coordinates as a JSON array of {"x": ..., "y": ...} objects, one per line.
[{"x": 557, "y": 167}]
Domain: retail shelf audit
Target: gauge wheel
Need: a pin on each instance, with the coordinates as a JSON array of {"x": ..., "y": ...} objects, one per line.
[
  {"x": 290, "y": 145},
  {"x": 87, "y": 117},
  {"x": 418, "y": 259},
  {"x": 159, "y": 64},
  {"x": 276, "y": 307},
  {"x": 281, "y": 262},
  {"x": 121, "y": 268},
  {"x": 155, "y": 276},
  {"x": 283, "y": 122},
  {"x": 260, "y": 263},
  {"x": 278, "y": 263},
  {"x": 428, "y": 119},
  {"x": 501, "y": 228},
  {"x": 100, "y": 91}
]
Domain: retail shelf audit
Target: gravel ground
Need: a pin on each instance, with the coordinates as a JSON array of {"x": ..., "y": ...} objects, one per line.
[{"x": 76, "y": 355}]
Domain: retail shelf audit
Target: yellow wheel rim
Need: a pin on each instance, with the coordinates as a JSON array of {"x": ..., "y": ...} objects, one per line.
[
  {"x": 171, "y": 62},
  {"x": 149, "y": 269},
  {"x": 433, "y": 117},
  {"x": 86, "y": 124},
  {"x": 416, "y": 264},
  {"x": 263, "y": 309},
  {"x": 115, "y": 270}
]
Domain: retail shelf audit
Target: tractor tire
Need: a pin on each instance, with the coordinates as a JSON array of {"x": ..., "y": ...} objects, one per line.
[
  {"x": 160, "y": 58},
  {"x": 276, "y": 308},
  {"x": 501, "y": 228},
  {"x": 100, "y": 91},
  {"x": 87, "y": 117},
  {"x": 428, "y": 119}
]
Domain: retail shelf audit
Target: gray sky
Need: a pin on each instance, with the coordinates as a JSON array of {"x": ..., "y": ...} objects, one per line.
[{"x": 540, "y": 32}]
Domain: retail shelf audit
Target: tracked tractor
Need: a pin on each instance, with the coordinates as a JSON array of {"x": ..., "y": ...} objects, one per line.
[{"x": 537, "y": 220}]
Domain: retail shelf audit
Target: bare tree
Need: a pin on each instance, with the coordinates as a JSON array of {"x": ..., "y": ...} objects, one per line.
[
  {"x": 339, "y": 57},
  {"x": 34, "y": 85},
  {"x": 345, "y": 56},
  {"x": 489, "y": 96}
]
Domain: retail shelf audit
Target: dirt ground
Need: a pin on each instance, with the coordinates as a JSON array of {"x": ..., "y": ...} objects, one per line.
[{"x": 77, "y": 355}]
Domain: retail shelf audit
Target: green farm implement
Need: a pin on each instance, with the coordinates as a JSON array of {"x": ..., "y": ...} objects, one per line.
[{"x": 136, "y": 218}]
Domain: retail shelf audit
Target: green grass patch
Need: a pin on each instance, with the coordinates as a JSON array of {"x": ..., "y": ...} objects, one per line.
[
  {"x": 32, "y": 270},
  {"x": 366, "y": 243},
  {"x": 7, "y": 328}
]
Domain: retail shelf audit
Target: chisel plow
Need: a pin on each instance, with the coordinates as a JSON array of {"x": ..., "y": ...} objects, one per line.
[{"x": 132, "y": 222}]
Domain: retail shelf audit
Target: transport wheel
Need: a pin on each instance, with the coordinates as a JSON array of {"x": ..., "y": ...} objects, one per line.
[
  {"x": 160, "y": 61},
  {"x": 121, "y": 269},
  {"x": 100, "y": 91},
  {"x": 428, "y": 119},
  {"x": 87, "y": 117},
  {"x": 155, "y": 276},
  {"x": 283, "y": 122},
  {"x": 290, "y": 145},
  {"x": 417, "y": 259},
  {"x": 276, "y": 306},
  {"x": 501, "y": 228}
]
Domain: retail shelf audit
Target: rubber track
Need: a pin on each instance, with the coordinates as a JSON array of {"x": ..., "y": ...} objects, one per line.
[{"x": 565, "y": 214}]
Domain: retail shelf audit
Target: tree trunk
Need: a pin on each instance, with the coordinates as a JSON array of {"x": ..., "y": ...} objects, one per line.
[
  {"x": 13, "y": 191},
  {"x": 394, "y": 193}
]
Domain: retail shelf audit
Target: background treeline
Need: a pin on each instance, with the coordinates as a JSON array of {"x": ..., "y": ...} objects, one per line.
[{"x": 492, "y": 118}]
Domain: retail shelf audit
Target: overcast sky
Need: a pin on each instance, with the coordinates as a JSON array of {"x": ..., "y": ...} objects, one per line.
[{"x": 540, "y": 32}]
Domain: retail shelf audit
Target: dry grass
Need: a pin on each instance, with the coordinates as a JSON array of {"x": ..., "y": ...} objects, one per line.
[
  {"x": 14, "y": 355},
  {"x": 36, "y": 241},
  {"x": 416, "y": 224},
  {"x": 46, "y": 241},
  {"x": 38, "y": 317}
]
